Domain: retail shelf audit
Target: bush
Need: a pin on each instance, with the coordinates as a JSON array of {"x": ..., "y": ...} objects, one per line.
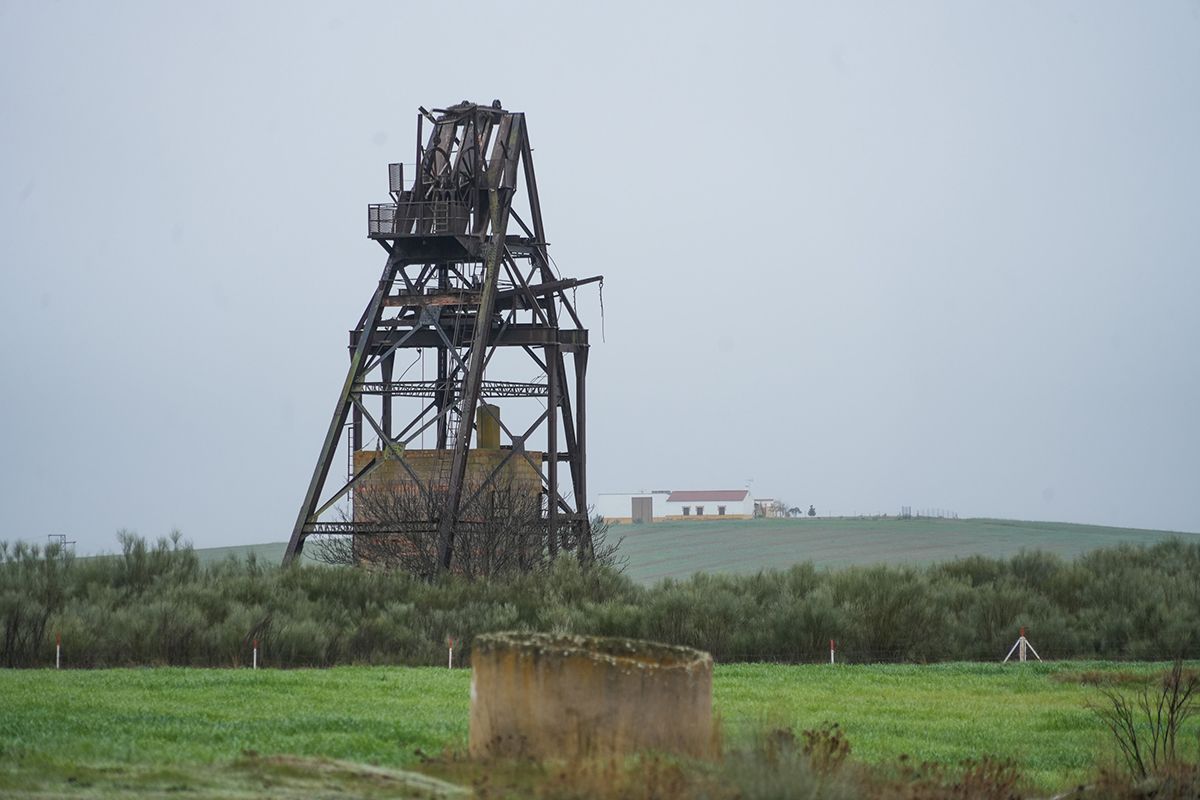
[
  {"x": 156, "y": 604},
  {"x": 1145, "y": 724}
]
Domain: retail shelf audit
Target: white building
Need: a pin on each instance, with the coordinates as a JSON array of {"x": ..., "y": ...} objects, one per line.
[
  {"x": 657, "y": 506},
  {"x": 632, "y": 506}
]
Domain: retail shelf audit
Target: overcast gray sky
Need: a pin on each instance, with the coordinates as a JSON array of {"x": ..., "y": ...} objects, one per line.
[{"x": 934, "y": 254}]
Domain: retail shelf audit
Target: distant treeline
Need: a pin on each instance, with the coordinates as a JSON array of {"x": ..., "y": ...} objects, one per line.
[{"x": 156, "y": 605}]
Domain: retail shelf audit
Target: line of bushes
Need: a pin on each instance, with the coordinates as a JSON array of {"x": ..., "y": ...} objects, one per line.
[{"x": 156, "y": 604}]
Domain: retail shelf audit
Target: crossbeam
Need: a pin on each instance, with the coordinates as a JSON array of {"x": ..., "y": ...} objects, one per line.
[{"x": 432, "y": 388}]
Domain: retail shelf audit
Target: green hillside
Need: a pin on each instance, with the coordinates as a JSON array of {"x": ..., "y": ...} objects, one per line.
[
  {"x": 678, "y": 549},
  {"x": 271, "y": 553}
]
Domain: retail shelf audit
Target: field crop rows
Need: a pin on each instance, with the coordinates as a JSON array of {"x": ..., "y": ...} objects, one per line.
[
  {"x": 679, "y": 549},
  {"x": 155, "y": 728}
]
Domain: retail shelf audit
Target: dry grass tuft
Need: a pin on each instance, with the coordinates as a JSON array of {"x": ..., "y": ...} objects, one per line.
[{"x": 1093, "y": 677}]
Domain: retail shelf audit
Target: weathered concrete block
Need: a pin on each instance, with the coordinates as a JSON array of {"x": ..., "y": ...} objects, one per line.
[{"x": 549, "y": 696}]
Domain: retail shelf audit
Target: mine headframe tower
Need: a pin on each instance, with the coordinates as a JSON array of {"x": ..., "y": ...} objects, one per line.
[{"x": 458, "y": 285}]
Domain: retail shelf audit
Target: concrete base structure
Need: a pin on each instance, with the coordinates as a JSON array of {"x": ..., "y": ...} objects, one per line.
[
  {"x": 548, "y": 696},
  {"x": 433, "y": 466}
]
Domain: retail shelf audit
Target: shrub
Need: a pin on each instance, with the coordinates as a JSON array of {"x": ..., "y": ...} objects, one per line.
[
  {"x": 156, "y": 604},
  {"x": 1145, "y": 725}
]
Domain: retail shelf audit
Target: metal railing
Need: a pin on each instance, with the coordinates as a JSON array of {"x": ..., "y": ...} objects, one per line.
[
  {"x": 417, "y": 218},
  {"x": 395, "y": 178}
]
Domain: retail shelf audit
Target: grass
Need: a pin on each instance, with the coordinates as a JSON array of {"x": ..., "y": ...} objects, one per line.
[
  {"x": 230, "y": 733},
  {"x": 679, "y": 549},
  {"x": 161, "y": 716},
  {"x": 945, "y": 713}
]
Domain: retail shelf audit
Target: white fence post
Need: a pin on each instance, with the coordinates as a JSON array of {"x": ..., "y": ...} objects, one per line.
[
  {"x": 450, "y": 647},
  {"x": 255, "y": 654},
  {"x": 58, "y": 650},
  {"x": 832, "y": 649},
  {"x": 1020, "y": 647}
]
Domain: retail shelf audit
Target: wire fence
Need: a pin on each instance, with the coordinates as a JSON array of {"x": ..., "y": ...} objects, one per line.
[
  {"x": 899, "y": 657},
  {"x": 257, "y": 655}
]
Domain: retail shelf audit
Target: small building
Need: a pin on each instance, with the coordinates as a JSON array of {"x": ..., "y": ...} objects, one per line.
[
  {"x": 660, "y": 505},
  {"x": 710, "y": 504},
  {"x": 632, "y": 507}
]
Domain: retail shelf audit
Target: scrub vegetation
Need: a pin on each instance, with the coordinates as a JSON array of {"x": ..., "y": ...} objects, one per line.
[{"x": 158, "y": 605}]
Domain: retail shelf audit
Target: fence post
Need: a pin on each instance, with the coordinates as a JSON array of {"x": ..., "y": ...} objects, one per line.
[
  {"x": 255, "y": 654},
  {"x": 450, "y": 647},
  {"x": 58, "y": 649},
  {"x": 832, "y": 649}
]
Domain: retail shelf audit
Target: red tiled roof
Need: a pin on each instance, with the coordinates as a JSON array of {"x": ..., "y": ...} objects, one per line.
[{"x": 712, "y": 495}]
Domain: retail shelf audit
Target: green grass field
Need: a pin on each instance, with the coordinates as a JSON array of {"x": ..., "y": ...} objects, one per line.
[
  {"x": 679, "y": 549},
  {"x": 230, "y": 733}
]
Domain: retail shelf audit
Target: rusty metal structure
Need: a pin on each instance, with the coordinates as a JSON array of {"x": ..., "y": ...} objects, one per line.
[{"x": 467, "y": 275}]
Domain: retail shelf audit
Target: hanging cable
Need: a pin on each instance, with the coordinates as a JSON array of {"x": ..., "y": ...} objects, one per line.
[
  {"x": 602, "y": 339},
  {"x": 410, "y": 366}
]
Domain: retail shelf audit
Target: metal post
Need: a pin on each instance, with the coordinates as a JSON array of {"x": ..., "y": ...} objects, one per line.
[
  {"x": 584, "y": 545},
  {"x": 443, "y": 368},
  {"x": 552, "y": 450},
  {"x": 356, "y": 429},
  {"x": 386, "y": 416}
]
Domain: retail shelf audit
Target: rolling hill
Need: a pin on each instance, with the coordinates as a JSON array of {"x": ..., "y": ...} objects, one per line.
[{"x": 678, "y": 549}]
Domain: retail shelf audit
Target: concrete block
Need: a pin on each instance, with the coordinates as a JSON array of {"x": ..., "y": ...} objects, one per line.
[{"x": 550, "y": 696}]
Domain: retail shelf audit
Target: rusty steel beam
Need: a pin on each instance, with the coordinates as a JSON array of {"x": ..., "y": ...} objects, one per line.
[
  {"x": 504, "y": 150},
  {"x": 333, "y": 434}
]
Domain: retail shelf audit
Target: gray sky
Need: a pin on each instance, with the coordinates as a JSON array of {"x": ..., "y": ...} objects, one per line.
[{"x": 935, "y": 254}]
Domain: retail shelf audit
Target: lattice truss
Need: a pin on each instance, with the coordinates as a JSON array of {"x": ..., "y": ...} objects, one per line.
[{"x": 459, "y": 288}]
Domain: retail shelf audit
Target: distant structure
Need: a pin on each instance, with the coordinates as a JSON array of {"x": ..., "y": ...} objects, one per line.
[
  {"x": 59, "y": 540},
  {"x": 906, "y": 512},
  {"x": 468, "y": 286},
  {"x": 769, "y": 508},
  {"x": 661, "y": 505}
]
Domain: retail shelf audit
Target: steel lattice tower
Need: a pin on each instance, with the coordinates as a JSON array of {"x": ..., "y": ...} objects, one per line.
[{"x": 458, "y": 284}]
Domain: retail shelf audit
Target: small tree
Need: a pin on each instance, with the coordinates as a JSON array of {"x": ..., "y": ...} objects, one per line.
[{"x": 1146, "y": 725}]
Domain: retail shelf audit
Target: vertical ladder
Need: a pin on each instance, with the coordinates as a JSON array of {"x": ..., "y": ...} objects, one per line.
[
  {"x": 441, "y": 215},
  {"x": 452, "y": 419}
]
